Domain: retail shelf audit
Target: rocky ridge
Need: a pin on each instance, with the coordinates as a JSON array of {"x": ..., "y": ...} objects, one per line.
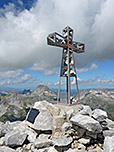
[
  {"x": 14, "y": 105},
  {"x": 57, "y": 128},
  {"x": 100, "y": 99}
]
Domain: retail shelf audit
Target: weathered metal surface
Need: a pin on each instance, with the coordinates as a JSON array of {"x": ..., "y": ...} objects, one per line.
[{"x": 68, "y": 63}]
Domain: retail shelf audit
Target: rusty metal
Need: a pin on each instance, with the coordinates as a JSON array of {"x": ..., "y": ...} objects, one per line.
[{"x": 68, "y": 63}]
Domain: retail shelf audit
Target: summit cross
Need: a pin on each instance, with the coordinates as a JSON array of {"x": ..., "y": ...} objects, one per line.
[{"x": 67, "y": 63}]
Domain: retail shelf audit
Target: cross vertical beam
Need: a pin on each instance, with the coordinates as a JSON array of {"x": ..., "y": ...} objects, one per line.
[{"x": 68, "y": 63}]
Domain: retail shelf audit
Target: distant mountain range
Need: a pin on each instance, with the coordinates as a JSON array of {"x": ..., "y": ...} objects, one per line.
[
  {"x": 14, "y": 104},
  {"x": 99, "y": 98}
]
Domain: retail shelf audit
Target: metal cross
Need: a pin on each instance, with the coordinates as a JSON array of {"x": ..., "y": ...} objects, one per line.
[{"x": 68, "y": 63}]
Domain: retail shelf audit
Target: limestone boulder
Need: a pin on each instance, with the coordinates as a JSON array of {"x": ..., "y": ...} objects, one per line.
[
  {"x": 66, "y": 126},
  {"x": 70, "y": 113},
  {"x": 43, "y": 141},
  {"x": 109, "y": 133},
  {"x": 47, "y": 106},
  {"x": 21, "y": 126},
  {"x": 6, "y": 149},
  {"x": 84, "y": 141},
  {"x": 71, "y": 150},
  {"x": 2, "y": 140},
  {"x": 109, "y": 144},
  {"x": 31, "y": 135},
  {"x": 99, "y": 115},
  {"x": 62, "y": 141},
  {"x": 110, "y": 123},
  {"x": 16, "y": 138},
  {"x": 91, "y": 134},
  {"x": 86, "y": 110},
  {"x": 87, "y": 123},
  {"x": 5, "y": 128},
  {"x": 52, "y": 149},
  {"x": 43, "y": 121},
  {"x": 97, "y": 149}
]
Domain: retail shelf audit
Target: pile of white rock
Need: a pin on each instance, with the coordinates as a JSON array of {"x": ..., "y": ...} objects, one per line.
[{"x": 59, "y": 129}]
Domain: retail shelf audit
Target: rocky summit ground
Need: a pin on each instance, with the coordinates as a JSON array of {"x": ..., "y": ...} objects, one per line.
[
  {"x": 15, "y": 105},
  {"x": 32, "y": 121},
  {"x": 58, "y": 128},
  {"x": 99, "y": 98}
]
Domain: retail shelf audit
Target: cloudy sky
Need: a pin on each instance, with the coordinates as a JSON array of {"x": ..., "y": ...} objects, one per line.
[{"x": 25, "y": 58}]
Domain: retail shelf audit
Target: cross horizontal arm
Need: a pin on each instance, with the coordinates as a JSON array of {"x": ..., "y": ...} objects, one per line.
[
  {"x": 78, "y": 47},
  {"x": 56, "y": 39}
]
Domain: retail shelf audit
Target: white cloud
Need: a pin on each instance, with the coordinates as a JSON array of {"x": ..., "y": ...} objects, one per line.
[
  {"x": 74, "y": 81},
  {"x": 23, "y": 79},
  {"x": 23, "y": 36},
  {"x": 106, "y": 81},
  {"x": 51, "y": 72},
  {"x": 10, "y": 74},
  {"x": 57, "y": 83},
  {"x": 37, "y": 67},
  {"x": 92, "y": 67},
  {"x": 82, "y": 70},
  {"x": 46, "y": 70},
  {"x": 4, "y": 82},
  {"x": 94, "y": 82}
]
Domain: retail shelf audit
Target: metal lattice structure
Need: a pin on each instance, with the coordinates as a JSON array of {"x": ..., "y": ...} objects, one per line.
[{"x": 69, "y": 46}]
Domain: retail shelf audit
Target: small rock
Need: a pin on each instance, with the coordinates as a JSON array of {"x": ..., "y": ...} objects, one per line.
[
  {"x": 55, "y": 111},
  {"x": 84, "y": 141},
  {"x": 52, "y": 149},
  {"x": 109, "y": 144},
  {"x": 86, "y": 111},
  {"x": 108, "y": 133},
  {"x": 91, "y": 134},
  {"x": 66, "y": 126},
  {"x": 43, "y": 141},
  {"x": 31, "y": 135},
  {"x": 19, "y": 149},
  {"x": 98, "y": 149},
  {"x": 110, "y": 123},
  {"x": 13, "y": 139},
  {"x": 71, "y": 150},
  {"x": 28, "y": 147},
  {"x": 70, "y": 113},
  {"x": 2, "y": 140},
  {"x": 1, "y": 129},
  {"x": 4, "y": 128},
  {"x": 81, "y": 146},
  {"x": 62, "y": 141},
  {"x": 99, "y": 115},
  {"x": 91, "y": 150},
  {"x": 79, "y": 132},
  {"x": 86, "y": 122},
  {"x": 6, "y": 149}
]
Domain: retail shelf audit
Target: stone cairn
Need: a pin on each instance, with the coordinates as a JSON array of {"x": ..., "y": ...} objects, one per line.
[{"x": 56, "y": 128}]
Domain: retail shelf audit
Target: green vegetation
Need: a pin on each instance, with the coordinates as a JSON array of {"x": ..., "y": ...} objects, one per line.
[
  {"x": 110, "y": 110},
  {"x": 3, "y": 118},
  {"x": 24, "y": 105},
  {"x": 20, "y": 113}
]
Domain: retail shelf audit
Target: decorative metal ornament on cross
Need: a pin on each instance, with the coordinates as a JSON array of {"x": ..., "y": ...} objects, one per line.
[{"x": 68, "y": 63}]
